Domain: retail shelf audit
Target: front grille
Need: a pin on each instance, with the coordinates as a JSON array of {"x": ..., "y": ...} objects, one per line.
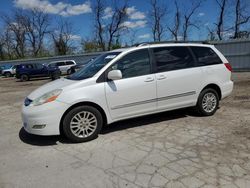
[{"x": 27, "y": 101}]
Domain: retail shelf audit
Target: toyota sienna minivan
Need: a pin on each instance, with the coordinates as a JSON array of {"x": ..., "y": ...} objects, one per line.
[{"x": 128, "y": 83}]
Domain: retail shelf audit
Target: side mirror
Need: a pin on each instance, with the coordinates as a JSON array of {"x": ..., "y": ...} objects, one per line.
[{"x": 115, "y": 75}]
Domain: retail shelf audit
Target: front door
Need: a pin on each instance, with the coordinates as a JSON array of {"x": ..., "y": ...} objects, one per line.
[{"x": 135, "y": 93}]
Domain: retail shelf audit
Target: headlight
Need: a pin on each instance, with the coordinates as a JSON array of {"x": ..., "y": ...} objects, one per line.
[{"x": 47, "y": 97}]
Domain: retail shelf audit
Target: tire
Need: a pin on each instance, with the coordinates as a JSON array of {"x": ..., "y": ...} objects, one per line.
[
  {"x": 208, "y": 102},
  {"x": 55, "y": 76},
  {"x": 24, "y": 77},
  {"x": 85, "y": 129},
  {"x": 69, "y": 72},
  {"x": 7, "y": 74}
]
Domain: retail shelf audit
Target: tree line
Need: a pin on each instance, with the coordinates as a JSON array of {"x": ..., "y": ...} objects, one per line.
[{"x": 30, "y": 33}]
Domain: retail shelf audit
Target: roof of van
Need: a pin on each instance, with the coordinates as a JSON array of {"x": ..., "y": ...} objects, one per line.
[{"x": 145, "y": 45}]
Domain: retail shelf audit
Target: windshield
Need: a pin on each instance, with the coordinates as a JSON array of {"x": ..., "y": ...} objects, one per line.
[{"x": 93, "y": 67}]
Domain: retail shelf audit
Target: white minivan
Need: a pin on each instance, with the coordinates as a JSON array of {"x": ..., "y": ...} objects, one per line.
[
  {"x": 64, "y": 65},
  {"x": 128, "y": 83}
]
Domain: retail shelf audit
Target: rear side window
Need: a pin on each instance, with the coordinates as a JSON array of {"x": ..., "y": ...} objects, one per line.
[
  {"x": 206, "y": 56},
  {"x": 134, "y": 64},
  {"x": 60, "y": 64},
  {"x": 29, "y": 66},
  {"x": 172, "y": 58},
  {"x": 38, "y": 66},
  {"x": 69, "y": 63}
]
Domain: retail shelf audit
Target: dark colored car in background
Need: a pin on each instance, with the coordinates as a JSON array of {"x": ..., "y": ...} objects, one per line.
[{"x": 26, "y": 71}]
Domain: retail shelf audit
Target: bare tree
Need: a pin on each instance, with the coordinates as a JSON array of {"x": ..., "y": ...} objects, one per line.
[
  {"x": 99, "y": 8},
  {"x": 62, "y": 38},
  {"x": 157, "y": 16},
  {"x": 177, "y": 19},
  {"x": 188, "y": 22},
  {"x": 220, "y": 23},
  {"x": 2, "y": 54},
  {"x": 211, "y": 34},
  {"x": 116, "y": 26},
  {"x": 241, "y": 17},
  {"x": 8, "y": 44},
  {"x": 16, "y": 31},
  {"x": 108, "y": 30},
  {"x": 36, "y": 24}
]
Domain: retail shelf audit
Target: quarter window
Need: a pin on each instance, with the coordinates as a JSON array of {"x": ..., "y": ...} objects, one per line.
[
  {"x": 134, "y": 64},
  {"x": 206, "y": 56},
  {"x": 172, "y": 58}
]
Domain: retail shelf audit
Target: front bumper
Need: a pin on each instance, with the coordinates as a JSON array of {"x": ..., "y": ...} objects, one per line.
[{"x": 44, "y": 119}]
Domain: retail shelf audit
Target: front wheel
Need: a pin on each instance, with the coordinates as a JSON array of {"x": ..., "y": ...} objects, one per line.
[
  {"x": 7, "y": 74},
  {"x": 69, "y": 72},
  {"x": 82, "y": 124},
  {"x": 55, "y": 76},
  {"x": 208, "y": 102}
]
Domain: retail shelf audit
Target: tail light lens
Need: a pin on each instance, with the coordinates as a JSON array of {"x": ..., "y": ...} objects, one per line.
[{"x": 228, "y": 66}]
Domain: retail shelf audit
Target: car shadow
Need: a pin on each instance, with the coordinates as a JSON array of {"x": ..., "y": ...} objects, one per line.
[
  {"x": 40, "y": 140},
  {"x": 118, "y": 126},
  {"x": 148, "y": 119}
]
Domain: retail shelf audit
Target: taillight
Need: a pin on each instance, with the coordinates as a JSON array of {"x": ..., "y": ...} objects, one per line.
[{"x": 228, "y": 66}]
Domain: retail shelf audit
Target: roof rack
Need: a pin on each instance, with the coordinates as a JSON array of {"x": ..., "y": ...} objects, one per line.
[
  {"x": 142, "y": 44},
  {"x": 167, "y": 42}
]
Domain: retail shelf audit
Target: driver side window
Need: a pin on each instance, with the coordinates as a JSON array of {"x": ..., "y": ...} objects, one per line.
[{"x": 134, "y": 64}]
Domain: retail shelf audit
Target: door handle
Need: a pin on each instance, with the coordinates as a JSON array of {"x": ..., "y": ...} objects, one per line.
[
  {"x": 149, "y": 79},
  {"x": 161, "y": 77}
]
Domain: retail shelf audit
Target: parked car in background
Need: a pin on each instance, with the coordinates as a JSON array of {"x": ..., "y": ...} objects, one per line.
[
  {"x": 8, "y": 72},
  {"x": 80, "y": 65},
  {"x": 1, "y": 68},
  {"x": 127, "y": 83},
  {"x": 26, "y": 71},
  {"x": 64, "y": 65}
]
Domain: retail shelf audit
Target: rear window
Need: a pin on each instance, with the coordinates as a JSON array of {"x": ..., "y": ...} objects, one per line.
[
  {"x": 206, "y": 56},
  {"x": 172, "y": 58}
]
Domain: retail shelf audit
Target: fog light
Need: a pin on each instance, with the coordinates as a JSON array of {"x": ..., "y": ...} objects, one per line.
[{"x": 38, "y": 126}]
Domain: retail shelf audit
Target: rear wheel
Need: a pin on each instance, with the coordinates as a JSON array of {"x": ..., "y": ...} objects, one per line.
[
  {"x": 82, "y": 124},
  {"x": 69, "y": 71},
  {"x": 208, "y": 102},
  {"x": 24, "y": 77}
]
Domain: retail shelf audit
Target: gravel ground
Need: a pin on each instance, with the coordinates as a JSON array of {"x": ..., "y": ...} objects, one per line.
[{"x": 171, "y": 149}]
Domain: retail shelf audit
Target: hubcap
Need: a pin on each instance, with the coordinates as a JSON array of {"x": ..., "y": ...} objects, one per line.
[
  {"x": 209, "y": 102},
  {"x": 83, "y": 124}
]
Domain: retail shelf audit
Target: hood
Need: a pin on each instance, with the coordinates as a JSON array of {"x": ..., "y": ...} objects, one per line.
[{"x": 57, "y": 84}]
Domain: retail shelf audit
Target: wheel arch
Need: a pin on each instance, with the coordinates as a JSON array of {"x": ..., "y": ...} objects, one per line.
[
  {"x": 6, "y": 72},
  {"x": 215, "y": 87},
  {"x": 86, "y": 103}
]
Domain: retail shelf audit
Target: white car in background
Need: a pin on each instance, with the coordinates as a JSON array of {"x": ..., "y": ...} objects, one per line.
[
  {"x": 9, "y": 71},
  {"x": 128, "y": 83},
  {"x": 64, "y": 65}
]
